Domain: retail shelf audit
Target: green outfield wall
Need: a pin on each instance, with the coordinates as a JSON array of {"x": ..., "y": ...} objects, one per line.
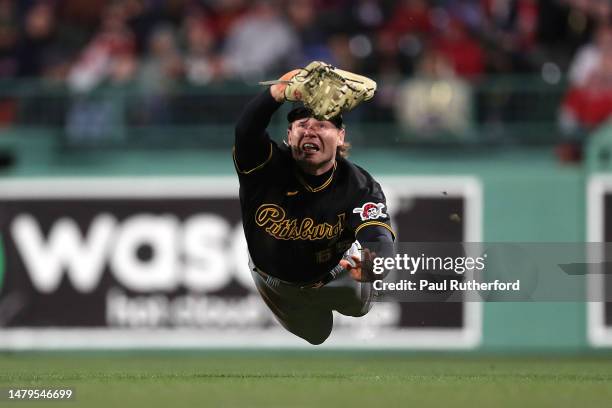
[{"x": 528, "y": 196}]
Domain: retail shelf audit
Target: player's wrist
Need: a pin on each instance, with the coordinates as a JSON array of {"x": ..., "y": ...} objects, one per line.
[{"x": 278, "y": 92}]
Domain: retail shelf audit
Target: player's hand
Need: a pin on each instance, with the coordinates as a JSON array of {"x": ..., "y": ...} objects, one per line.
[
  {"x": 361, "y": 267},
  {"x": 278, "y": 90}
]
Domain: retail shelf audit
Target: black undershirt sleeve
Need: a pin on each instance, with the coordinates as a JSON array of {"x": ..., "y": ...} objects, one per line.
[
  {"x": 252, "y": 143},
  {"x": 380, "y": 241},
  {"x": 381, "y": 236}
]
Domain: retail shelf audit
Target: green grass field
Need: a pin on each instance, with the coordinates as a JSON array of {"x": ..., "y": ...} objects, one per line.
[{"x": 324, "y": 379}]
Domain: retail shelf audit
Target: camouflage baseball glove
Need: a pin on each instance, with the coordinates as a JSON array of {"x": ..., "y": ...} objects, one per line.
[{"x": 327, "y": 90}]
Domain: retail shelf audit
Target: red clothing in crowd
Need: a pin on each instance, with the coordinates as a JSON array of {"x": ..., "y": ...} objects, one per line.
[
  {"x": 410, "y": 16},
  {"x": 464, "y": 53},
  {"x": 590, "y": 107}
]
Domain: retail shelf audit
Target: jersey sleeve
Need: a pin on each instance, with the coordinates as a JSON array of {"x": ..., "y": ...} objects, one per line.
[
  {"x": 369, "y": 208},
  {"x": 253, "y": 148}
]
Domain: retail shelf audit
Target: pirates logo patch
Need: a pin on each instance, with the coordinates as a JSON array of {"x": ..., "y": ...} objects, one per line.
[{"x": 370, "y": 211}]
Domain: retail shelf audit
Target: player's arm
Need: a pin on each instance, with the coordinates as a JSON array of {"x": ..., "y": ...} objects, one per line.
[
  {"x": 372, "y": 228},
  {"x": 376, "y": 241},
  {"x": 252, "y": 147}
]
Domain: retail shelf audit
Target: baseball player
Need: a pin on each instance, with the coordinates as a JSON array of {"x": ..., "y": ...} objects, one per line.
[{"x": 305, "y": 208}]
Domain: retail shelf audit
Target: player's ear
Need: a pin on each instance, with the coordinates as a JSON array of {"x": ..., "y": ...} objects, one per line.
[
  {"x": 341, "y": 135},
  {"x": 289, "y": 135}
]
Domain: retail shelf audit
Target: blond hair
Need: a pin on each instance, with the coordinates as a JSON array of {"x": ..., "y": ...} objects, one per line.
[{"x": 343, "y": 150}]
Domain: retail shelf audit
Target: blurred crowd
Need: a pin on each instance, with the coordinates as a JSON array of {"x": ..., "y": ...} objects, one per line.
[
  {"x": 429, "y": 51},
  {"x": 207, "y": 40}
]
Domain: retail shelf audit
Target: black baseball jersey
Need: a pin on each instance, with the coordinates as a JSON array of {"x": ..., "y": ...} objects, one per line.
[{"x": 298, "y": 226}]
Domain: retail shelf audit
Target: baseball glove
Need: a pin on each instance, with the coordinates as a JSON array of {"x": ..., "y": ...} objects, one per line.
[{"x": 327, "y": 90}]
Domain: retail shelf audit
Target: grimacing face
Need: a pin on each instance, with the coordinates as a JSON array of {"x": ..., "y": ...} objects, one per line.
[{"x": 313, "y": 143}]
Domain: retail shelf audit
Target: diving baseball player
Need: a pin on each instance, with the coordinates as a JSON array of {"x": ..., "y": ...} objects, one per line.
[{"x": 305, "y": 208}]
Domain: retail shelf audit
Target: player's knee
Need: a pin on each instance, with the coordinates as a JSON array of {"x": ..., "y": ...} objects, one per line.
[
  {"x": 317, "y": 338},
  {"x": 359, "y": 305},
  {"x": 317, "y": 333},
  {"x": 356, "y": 311}
]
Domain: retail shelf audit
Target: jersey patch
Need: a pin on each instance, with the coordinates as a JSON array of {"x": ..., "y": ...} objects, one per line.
[{"x": 370, "y": 211}]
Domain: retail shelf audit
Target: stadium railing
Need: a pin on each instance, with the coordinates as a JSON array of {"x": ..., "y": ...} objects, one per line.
[{"x": 504, "y": 110}]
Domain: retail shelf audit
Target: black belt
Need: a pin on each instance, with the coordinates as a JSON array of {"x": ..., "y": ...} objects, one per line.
[{"x": 314, "y": 284}]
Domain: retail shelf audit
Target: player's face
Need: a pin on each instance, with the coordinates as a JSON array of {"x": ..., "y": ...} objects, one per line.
[{"x": 313, "y": 144}]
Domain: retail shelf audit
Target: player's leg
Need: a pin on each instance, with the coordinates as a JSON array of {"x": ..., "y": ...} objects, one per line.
[
  {"x": 295, "y": 311},
  {"x": 347, "y": 296}
]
